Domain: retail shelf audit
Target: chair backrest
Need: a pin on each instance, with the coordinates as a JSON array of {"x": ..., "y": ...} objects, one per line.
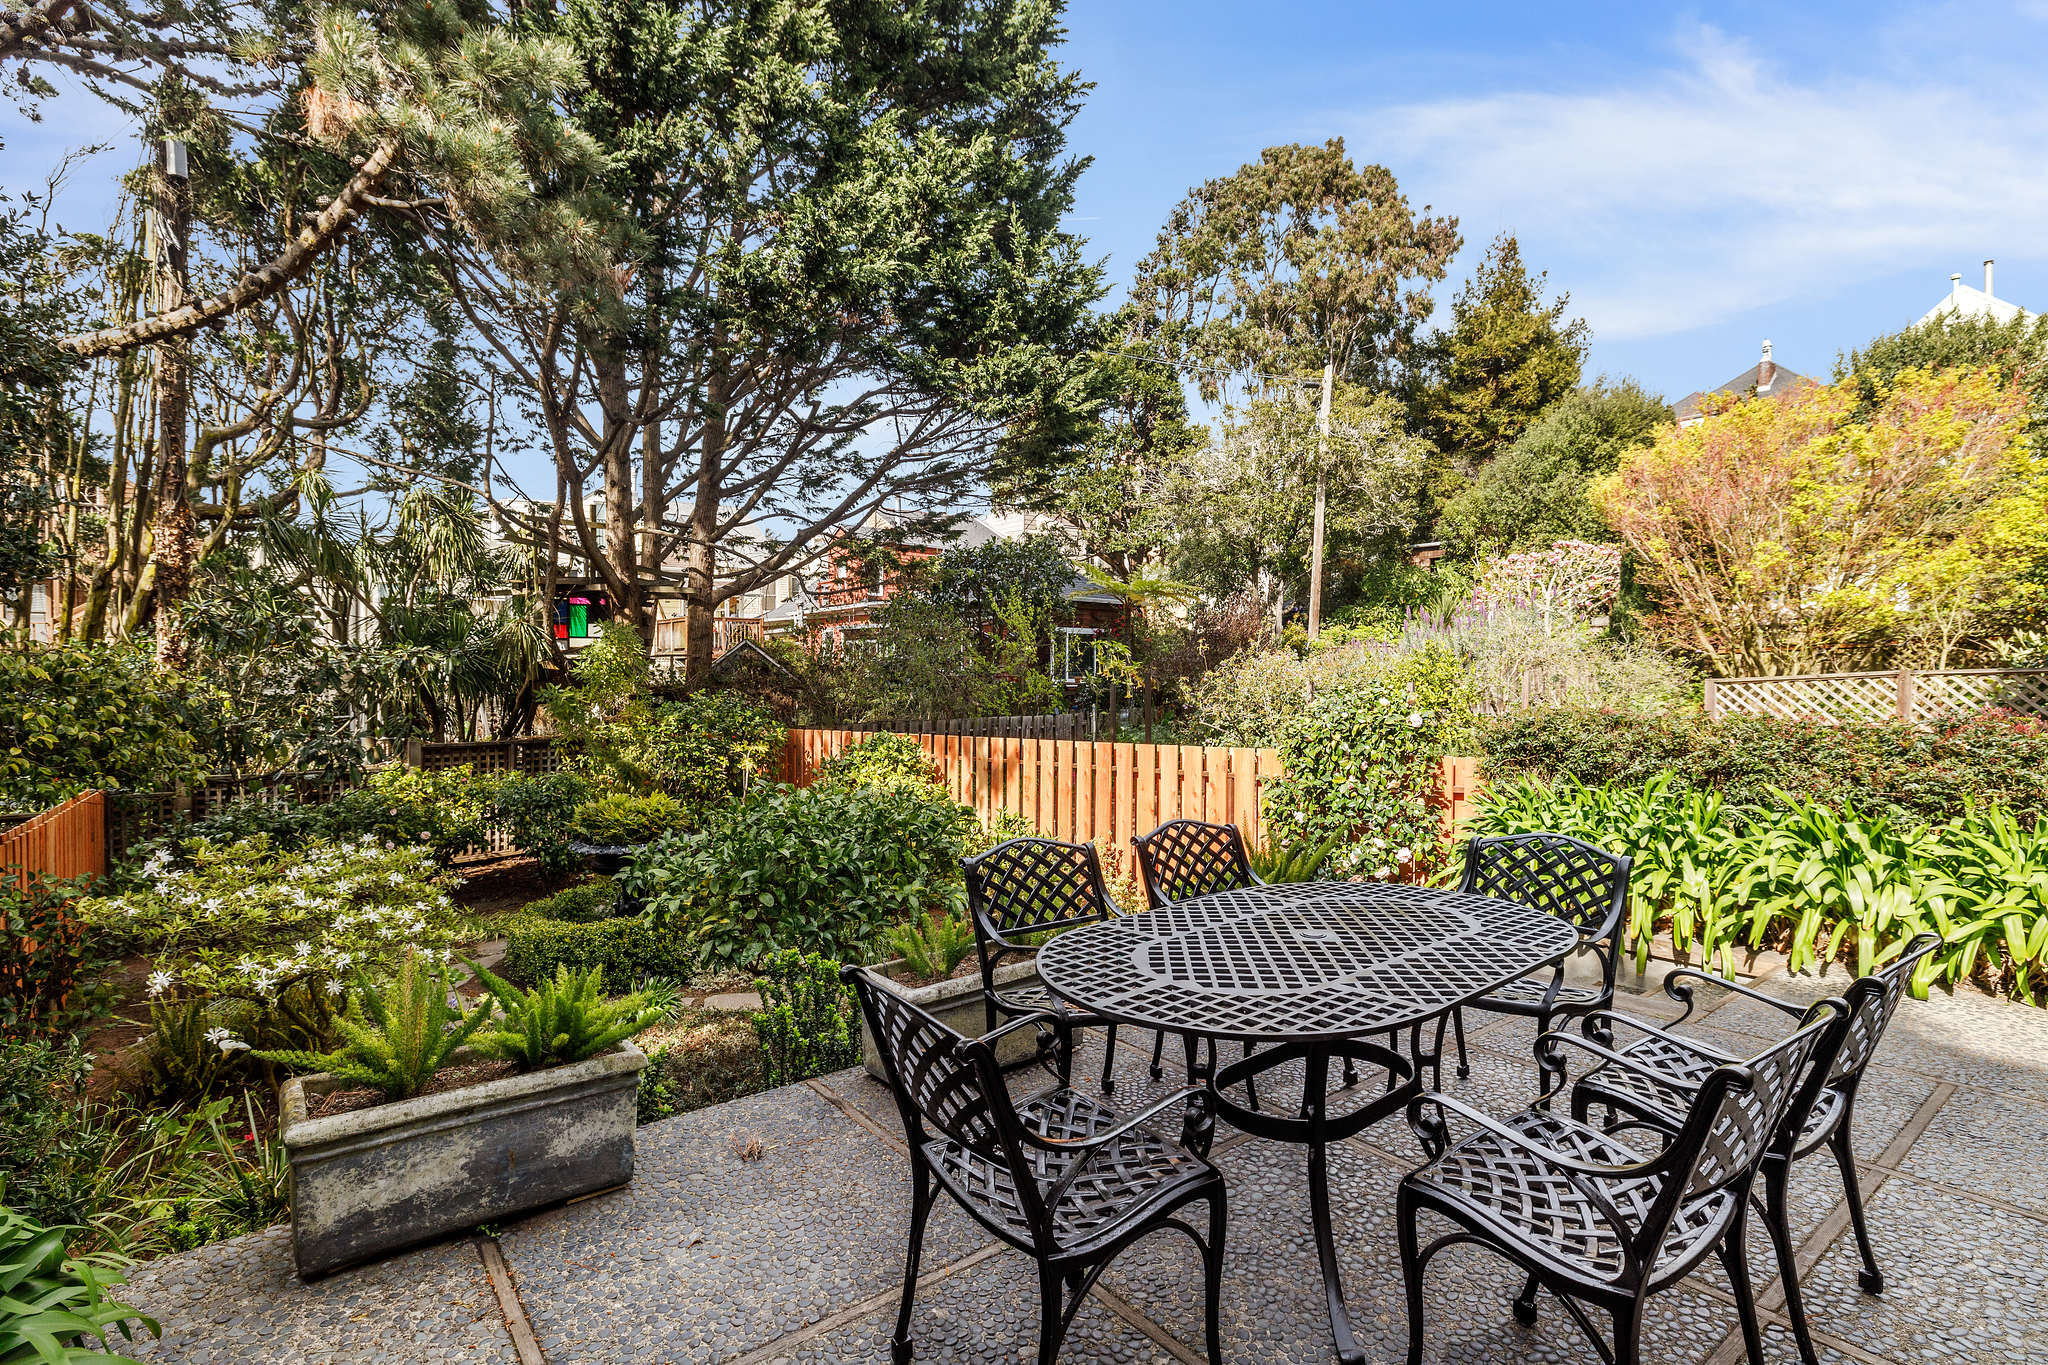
[
  {"x": 1184, "y": 858},
  {"x": 1555, "y": 873},
  {"x": 1740, "y": 1111},
  {"x": 1027, "y": 885},
  {"x": 1872, "y": 1002}
]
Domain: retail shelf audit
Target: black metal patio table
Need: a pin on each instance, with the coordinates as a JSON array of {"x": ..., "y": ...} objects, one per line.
[{"x": 1312, "y": 971}]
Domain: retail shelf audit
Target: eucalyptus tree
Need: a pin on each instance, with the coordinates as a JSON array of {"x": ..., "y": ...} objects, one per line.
[
  {"x": 838, "y": 284},
  {"x": 1299, "y": 269}
]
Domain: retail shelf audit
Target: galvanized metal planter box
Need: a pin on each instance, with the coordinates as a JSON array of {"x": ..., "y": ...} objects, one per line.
[
  {"x": 957, "y": 1004},
  {"x": 371, "y": 1181}
]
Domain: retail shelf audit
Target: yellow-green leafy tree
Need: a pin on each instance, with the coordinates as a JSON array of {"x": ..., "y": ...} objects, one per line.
[{"x": 1822, "y": 532}]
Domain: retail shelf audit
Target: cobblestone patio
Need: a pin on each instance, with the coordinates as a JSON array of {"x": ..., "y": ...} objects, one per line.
[{"x": 794, "y": 1255}]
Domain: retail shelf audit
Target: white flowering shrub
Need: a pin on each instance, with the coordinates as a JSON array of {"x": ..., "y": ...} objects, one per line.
[
  {"x": 250, "y": 922},
  {"x": 1360, "y": 765}
]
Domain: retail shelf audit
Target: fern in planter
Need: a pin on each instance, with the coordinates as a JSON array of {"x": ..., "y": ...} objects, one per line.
[
  {"x": 932, "y": 949},
  {"x": 52, "y": 1305},
  {"x": 564, "y": 1020},
  {"x": 1297, "y": 862},
  {"x": 395, "y": 1040}
]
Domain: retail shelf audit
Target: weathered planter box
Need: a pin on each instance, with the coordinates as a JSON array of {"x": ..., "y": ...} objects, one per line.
[
  {"x": 371, "y": 1181},
  {"x": 957, "y": 1004}
]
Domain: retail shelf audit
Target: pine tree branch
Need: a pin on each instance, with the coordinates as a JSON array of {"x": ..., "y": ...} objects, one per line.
[
  {"x": 259, "y": 284},
  {"x": 19, "y": 29}
]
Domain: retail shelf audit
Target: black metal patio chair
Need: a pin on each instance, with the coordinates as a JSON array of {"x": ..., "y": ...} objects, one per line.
[
  {"x": 1576, "y": 881},
  {"x": 1059, "y": 1176},
  {"x": 1184, "y": 858},
  {"x": 1027, "y": 888},
  {"x": 1651, "y": 1083},
  {"x": 1593, "y": 1220}
]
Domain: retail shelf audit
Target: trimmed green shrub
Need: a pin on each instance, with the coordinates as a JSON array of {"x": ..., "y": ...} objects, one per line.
[
  {"x": 705, "y": 749},
  {"x": 628, "y": 949},
  {"x": 534, "y": 813},
  {"x": 821, "y": 869},
  {"x": 444, "y": 811},
  {"x": 1906, "y": 772},
  {"x": 619, "y": 819},
  {"x": 78, "y": 716},
  {"x": 583, "y": 903},
  {"x": 810, "y": 1023}
]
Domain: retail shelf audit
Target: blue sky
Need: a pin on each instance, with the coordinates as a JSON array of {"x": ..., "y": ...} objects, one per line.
[{"x": 1697, "y": 180}]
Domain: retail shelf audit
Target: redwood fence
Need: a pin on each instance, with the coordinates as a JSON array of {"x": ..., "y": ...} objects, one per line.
[
  {"x": 1909, "y": 695},
  {"x": 1077, "y": 790},
  {"x": 65, "y": 841}
]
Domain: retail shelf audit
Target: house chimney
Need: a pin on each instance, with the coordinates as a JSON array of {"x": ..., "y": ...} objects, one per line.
[
  {"x": 1955, "y": 282},
  {"x": 1766, "y": 371},
  {"x": 1987, "y": 279}
]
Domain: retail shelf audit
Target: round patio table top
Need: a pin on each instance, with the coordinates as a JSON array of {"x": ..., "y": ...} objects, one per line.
[{"x": 1301, "y": 961}]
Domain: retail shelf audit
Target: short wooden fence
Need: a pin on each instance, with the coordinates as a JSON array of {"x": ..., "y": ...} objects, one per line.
[
  {"x": 65, "y": 841},
  {"x": 1909, "y": 695},
  {"x": 1076, "y": 790}
]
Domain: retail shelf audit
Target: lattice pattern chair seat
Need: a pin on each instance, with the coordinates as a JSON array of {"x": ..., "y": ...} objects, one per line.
[
  {"x": 1060, "y": 1176},
  {"x": 1537, "y": 1204},
  {"x": 1531, "y": 990},
  {"x": 1116, "y": 1180},
  {"x": 1609, "y": 1223},
  {"x": 1652, "y": 1083}
]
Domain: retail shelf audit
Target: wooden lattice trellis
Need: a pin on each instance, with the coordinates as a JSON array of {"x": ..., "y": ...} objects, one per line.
[{"x": 1904, "y": 694}]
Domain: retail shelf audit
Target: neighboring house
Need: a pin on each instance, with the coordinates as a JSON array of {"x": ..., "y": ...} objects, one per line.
[
  {"x": 1765, "y": 379},
  {"x": 1964, "y": 302}
]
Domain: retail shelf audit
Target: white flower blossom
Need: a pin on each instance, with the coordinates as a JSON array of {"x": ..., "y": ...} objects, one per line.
[
  {"x": 159, "y": 982},
  {"x": 1404, "y": 855},
  {"x": 225, "y": 1040},
  {"x": 1384, "y": 873},
  {"x": 1414, "y": 720}
]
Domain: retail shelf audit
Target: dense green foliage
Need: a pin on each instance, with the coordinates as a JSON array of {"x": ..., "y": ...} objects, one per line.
[
  {"x": 1808, "y": 877},
  {"x": 1907, "y": 772},
  {"x": 443, "y": 810},
  {"x": 563, "y": 1019},
  {"x": 881, "y": 760},
  {"x": 617, "y": 819},
  {"x": 74, "y": 717},
  {"x": 628, "y": 949},
  {"x": 1361, "y": 762},
  {"x": 822, "y": 869},
  {"x": 42, "y": 955},
  {"x": 55, "y": 1309},
  {"x": 43, "y": 1156},
  {"x": 394, "y": 1039},
  {"x": 1301, "y": 861},
  {"x": 1534, "y": 491},
  {"x": 809, "y": 1023}
]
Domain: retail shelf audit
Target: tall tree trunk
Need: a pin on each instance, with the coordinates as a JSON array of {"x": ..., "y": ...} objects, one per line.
[
  {"x": 174, "y": 527},
  {"x": 621, "y": 535},
  {"x": 1315, "y": 562},
  {"x": 700, "y": 555}
]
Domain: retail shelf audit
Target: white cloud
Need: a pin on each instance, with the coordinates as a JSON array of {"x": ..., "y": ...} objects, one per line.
[{"x": 1724, "y": 183}]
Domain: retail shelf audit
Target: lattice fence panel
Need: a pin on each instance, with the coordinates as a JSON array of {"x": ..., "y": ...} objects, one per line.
[{"x": 1843, "y": 698}]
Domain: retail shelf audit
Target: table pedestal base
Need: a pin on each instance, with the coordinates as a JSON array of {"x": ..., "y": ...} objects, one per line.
[{"x": 1313, "y": 1124}]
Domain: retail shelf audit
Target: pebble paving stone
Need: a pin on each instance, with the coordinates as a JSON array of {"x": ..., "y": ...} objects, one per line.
[
  {"x": 1963, "y": 1281},
  {"x": 241, "y": 1302},
  {"x": 705, "y": 1255},
  {"x": 985, "y": 1313},
  {"x": 1993, "y": 1144}
]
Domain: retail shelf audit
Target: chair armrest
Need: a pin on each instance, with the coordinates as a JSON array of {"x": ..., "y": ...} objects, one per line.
[
  {"x": 1019, "y": 1022},
  {"x": 1675, "y": 987},
  {"x": 1093, "y": 1140},
  {"x": 1563, "y": 1160},
  {"x": 1678, "y": 1039}
]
